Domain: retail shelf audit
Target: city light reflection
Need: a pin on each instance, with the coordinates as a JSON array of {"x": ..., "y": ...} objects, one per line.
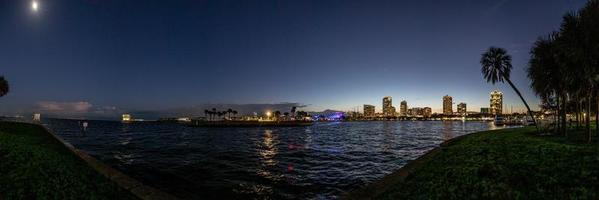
[{"x": 268, "y": 150}]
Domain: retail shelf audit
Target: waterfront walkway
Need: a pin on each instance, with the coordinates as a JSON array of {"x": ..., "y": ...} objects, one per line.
[{"x": 500, "y": 164}]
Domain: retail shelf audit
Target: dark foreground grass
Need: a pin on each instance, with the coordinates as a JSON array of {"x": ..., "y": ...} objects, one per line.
[
  {"x": 504, "y": 164},
  {"x": 33, "y": 165}
]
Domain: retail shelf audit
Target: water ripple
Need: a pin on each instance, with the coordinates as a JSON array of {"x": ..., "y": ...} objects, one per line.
[{"x": 322, "y": 161}]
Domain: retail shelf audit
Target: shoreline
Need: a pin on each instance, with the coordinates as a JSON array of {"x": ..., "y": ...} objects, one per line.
[
  {"x": 497, "y": 164},
  {"x": 135, "y": 187},
  {"x": 378, "y": 187}
]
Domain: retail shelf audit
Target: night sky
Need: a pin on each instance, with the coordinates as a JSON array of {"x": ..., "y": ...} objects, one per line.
[{"x": 103, "y": 56}]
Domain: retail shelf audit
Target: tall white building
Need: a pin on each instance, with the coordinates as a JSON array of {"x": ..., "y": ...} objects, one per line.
[
  {"x": 496, "y": 102},
  {"x": 388, "y": 109},
  {"x": 447, "y": 105}
]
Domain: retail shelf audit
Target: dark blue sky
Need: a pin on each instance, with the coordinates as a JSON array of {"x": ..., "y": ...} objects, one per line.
[{"x": 153, "y": 55}]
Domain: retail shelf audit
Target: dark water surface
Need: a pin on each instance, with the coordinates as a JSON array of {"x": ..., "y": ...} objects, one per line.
[{"x": 323, "y": 161}]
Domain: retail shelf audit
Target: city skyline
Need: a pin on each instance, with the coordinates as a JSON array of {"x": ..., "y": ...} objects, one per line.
[
  {"x": 495, "y": 106},
  {"x": 198, "y": 53}
]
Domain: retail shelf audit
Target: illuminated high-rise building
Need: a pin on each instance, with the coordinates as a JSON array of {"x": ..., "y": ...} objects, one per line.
[
  {"x": 388, "y": 109},
  {"x": 403, "y": 108},
  {"x": 462, "y": 108},
  {"x": 447, "y": 105},
  {"x": 416, "y": 111},
  {"x": 368, "y": 110},
  {"x": 496, "y": 102}
]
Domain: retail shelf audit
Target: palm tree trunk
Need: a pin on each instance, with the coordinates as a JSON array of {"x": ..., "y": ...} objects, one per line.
[
  {"x": 557, "y": 129},
  {"x": 597, "y": 117},
  {"x": 578, "y": 118},
  {"x": 588, "y": 117},
  {"x": 558, "y": 116},
  {"x": 565, "y": 115},
  {"x": 523, "y": 101}
]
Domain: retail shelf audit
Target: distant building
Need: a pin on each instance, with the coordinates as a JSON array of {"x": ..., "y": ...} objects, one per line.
[
  {"x": 485, "y": 111},
  {"x": 462, "y": 108},
  {"x": 403, "y": 108},
  {"x": 447, "y": 105},
  {"x": 37, "y": 117},
  {"x": 496, "y": 102},
  {"x": 127, "y": 117},
  {"x": 368, "y": 110},
  {"x": 388, "y": 109},
  {"x": 416, "y": 111},
  {"x": 427, "y": 112}
]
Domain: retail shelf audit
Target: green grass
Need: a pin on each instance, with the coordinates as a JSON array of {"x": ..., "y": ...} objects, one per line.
[
  {"x": 33, "y": 165},
  {"x": 505, "y": 164}
]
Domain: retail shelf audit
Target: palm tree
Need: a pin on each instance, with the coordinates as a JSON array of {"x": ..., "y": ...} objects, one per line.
[
  {"x": 546, "y": 77},
  {"x": 214, "y": 112},
  {"x": 496, "y": 67},
  {"x": 206, "y": 113},
  {"x": 302, "y": 114},
  {"x": 579, "y": 35},
  {"x": 235, "y": 113},
  {"x": 277, "y": 114},
  {"x": 293, "y": 111},
  {"x": 229, "y": 111},
  {"x": 220, "y": 114},
  {"x": 4, "y": 88}
]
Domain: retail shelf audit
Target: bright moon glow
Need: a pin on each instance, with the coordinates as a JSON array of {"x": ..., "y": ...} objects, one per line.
[{"x": 34, "y": 6}]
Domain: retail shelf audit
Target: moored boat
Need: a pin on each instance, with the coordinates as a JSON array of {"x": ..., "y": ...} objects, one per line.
[{"x": 499, "y": 121}]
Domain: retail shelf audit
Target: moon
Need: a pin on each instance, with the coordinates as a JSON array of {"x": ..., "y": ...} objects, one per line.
[{"x": 34, "y": 6}]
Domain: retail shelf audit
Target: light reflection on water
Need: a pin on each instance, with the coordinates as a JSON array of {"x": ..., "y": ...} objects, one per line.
[{"x": 322, "y": 161}]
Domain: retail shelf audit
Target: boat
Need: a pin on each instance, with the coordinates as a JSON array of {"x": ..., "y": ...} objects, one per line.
[{"x": 499, "y": 121}]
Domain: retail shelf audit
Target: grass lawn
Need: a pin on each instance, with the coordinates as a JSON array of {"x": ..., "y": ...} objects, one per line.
[
  {"x": 504, "y": 164},
  {"x": 33, "y": 165}
]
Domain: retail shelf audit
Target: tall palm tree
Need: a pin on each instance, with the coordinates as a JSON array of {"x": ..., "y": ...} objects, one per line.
[
  {"x": 206, "y": 113},
  {"x": 589, "y": 45},
  {"x": 546, "y": 76},
  {"x": 4, "y": 88},
  {"x": 277, "y": 114},
  {"x": 496, "y": 67},
  {"x": 293, "y": 109},
  {"x": 579, "y": 45},
  {"x": 229, "y": 111},
  {"x": 214, "y": 112},
  {"x": 235, "y": 113}
]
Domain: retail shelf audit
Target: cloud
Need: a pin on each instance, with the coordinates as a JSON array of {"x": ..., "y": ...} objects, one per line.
[
  {"x": 76, "y": 109},
  {"x": 64, "y": 107}
]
